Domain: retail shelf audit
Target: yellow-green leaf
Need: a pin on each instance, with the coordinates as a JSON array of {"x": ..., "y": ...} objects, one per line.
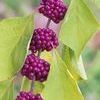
[
  {"x": 78, "y": 27},
  {"x": 60, "y": 84},
  {"x": 7, "y": 90},
  {"x": 15, "y": 34},
  {"x": 26, "y": 85},
  {"x": 75, "y": 67},
  {"x": 94, "y": 5}
]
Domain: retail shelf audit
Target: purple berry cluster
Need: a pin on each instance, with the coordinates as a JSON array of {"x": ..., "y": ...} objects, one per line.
[
  {"x": 28, "y": 96},
  {"x": 35, "y": 68},
  {"x": 53, "y": 9},
  {"x": 43, "y": 39}
]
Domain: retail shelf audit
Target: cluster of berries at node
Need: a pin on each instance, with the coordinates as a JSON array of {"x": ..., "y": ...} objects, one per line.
[
  {"x": 53, "y": 9},
  {"x": 28, "y": 96},
  {"x": 43, "y": 39},
  {"x": 35, "y": 68}
]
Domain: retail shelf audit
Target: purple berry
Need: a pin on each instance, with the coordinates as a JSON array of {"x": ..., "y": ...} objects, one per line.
[
  {"x": 35, "y": 68},
  {"x": 53, "y": 9},
  {"x": 43, "y": 39},
  {"x": 28, "y": 96}
]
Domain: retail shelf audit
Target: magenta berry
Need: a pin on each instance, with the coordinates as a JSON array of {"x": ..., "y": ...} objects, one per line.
[
  {"x": 35, "y": 68},
  {"x": 28, "y": 96},
  {"x": 43, "y": 39},
  {"x": 53, "y": 9}
]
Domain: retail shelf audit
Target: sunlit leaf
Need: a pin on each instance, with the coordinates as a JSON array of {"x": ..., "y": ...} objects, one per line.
[
  {"x": 78, "y": 27},
  {"x": 60, "y": 84},
  {"x": 7, "y": 92},
  {"x": 15, "y": 34},
  {"x": 47, "y": 56},
  {"x": 94, "y": 5}
]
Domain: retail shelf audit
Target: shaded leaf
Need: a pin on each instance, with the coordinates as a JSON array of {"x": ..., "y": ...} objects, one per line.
[
  {"x": 26, "y": 85},
  {"x": 75, "y": 67},
  {"x": 92, "y": 85},
  {"x": 38, "y": 87}
]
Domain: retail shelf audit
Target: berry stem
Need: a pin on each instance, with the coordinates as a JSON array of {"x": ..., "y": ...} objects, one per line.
[
  {"x": 39, "y": 53},
  {"x": 48, "y": 23},
  {"x": 32, "y": 84}
]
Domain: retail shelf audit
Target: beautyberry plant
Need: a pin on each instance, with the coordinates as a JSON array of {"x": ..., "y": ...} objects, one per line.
[
  {"x": 55, "y": 77},
  {"x": 35, "y": 68}
]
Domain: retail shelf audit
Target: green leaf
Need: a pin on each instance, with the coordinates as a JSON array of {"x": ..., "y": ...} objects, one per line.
[
  {"x": 75, "y": 67},
  {"x": 11, "y": 92},
  {"x": 3, "y": 86},
  {"x": 38, "y": 87},
  {"x": 15, "y": 34},
  {"x": 7, "y": 92},
  {"x": 60, "y": 84},
  {"x": 78, "y": 27},
  {"x": 46, "y": 56},
  {"x": 26, "y": 85},
  {"x": 95, "y": 7}
]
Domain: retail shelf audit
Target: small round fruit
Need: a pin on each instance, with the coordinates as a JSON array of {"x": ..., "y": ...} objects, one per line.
[
  {"x": 43, "y": 39},
  {"x": 28, "y": 96},
  {"x": 35, "y": 68},
  {"x": 53, "y": 9}
]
